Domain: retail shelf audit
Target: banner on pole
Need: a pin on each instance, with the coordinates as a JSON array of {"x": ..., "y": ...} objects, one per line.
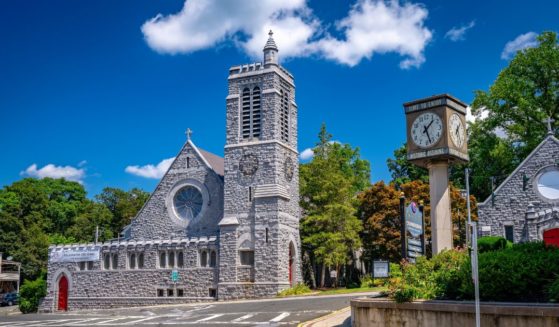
[
  {"x": 75, "y": 254},
  {"x": 414, "y": 231}
]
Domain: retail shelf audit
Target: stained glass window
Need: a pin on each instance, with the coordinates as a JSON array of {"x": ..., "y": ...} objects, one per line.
[{"x": 188, "y": 202}]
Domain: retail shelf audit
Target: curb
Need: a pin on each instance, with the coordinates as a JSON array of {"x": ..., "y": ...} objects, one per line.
[{"x": 324, "y": 318}]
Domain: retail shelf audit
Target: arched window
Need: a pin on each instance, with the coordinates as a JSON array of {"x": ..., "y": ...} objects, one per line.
[
  {"x": 284, "y": 116},
  {"x": 250, "y": 113},
  {"x": 171, "y": 259},
  {"x": 141, "y": 261},
  {"x": 203, "y": 258},
  {"x": 162, "y": 260},
  {"x": 213, "y": 259},
  {"x": 132, "y": 263},
  {"x": 180, "y": 259},
  {"x": 107, "y": 261},
  {"x": 115, "y": 261}
]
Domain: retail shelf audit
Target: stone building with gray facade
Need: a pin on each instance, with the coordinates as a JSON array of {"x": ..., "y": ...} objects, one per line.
[
  {"x": 525, "y": 207},
  {"x": 214, "y": 228}
]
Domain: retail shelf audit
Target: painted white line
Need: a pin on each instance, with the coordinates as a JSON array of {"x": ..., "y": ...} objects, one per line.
[
  {"x": 101, "y": 323},
  {"x": 210, "y": 317},
  {"x": 245, "y": 317},
  {"x": 50, "y": 322},
  {"x": 138, "y": 320},
  {"x": 18, "y": 323},
  {"x": 80, "y": 322},
  {"x": 280, "y": 317}
]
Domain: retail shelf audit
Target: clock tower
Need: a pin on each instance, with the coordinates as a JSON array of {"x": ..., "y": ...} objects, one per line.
[
  {"x": 259, "y": 232},
  {"x": 436, "y": 134}
]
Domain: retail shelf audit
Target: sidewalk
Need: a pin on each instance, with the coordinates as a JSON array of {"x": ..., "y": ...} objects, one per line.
[{"x": 340, "y": 318}]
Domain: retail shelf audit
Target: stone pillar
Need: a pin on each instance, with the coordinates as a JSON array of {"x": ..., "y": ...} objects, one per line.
[{"x": 441, "y": 219}]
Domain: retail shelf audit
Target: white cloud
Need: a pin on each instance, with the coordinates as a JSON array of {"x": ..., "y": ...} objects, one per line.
[
  {"x": 377, "y": 26},
  {"x": 68, "y": 172},
  {"x": 307, "y": 154},
  {"x": 151, "y": 171},
  {"x": 459, "y": 33},
  {"x": 482, "y": 114},
  {"x": 371, "y": 26},
  {"x": 523, "y": 41}
]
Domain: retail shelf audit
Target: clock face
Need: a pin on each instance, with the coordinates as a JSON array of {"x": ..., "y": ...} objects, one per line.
[
  {"x": 288, "y": 169},
  {"x": 456, "y": 130},
  {"x": 248, "y": 164},
  {"x": 426, "y": 130}
]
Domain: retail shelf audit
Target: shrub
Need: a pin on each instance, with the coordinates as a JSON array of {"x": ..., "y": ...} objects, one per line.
[
  {"x": 298, "y": 289},
  {"x": 491, "y": 243},
  {"x": 30, "y": 293},
  {"x": 553, "y": 291}
]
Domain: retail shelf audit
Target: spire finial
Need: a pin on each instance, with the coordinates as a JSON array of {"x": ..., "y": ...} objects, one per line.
[
  {"x": 188, "y": 133},
  {"x": 549, "y": 120},
  {"x": 270, "y": 33}
]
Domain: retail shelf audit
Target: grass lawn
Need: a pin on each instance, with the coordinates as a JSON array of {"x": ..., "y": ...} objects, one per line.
[{"x": 304, "y": 291}]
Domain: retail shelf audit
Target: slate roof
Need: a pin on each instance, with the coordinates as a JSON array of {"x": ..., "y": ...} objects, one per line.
[{"x": 215, "y": 161}]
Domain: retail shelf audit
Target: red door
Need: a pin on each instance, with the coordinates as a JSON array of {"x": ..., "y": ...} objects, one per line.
[
  {"x": 63, "y": 293},
  {"x": 551, "y": 237}
]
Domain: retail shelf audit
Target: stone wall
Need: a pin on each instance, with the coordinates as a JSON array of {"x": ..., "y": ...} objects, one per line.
[
  {"x": 384, "y": 313},
  {"x": 124, "y": 286},
  {"x": 521, "y": 206}
]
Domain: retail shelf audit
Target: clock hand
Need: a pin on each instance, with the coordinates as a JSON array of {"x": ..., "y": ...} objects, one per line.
[
  {"x": 430, "y": 124},
  {"x": 426, "y": 132}
]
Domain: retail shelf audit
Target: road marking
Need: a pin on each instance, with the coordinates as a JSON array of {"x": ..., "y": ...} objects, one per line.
[
  {"x": 139, "y": 320},
  {"x": 245, "y": 317},
  {"x": 80, "y": 322},
  {"x": 280, "y": 317},
  {"x": 101, "y": 323},
  {"x": 210, "y": 317}
]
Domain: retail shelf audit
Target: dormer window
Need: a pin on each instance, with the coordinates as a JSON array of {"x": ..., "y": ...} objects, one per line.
[{"x": 251, "y": 113}]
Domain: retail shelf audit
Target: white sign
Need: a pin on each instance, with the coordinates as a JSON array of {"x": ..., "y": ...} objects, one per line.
[
  {"x": 75, "y": 255},
  {"x": 381, "y": 269},
  {"x": 486, "y": 228}
]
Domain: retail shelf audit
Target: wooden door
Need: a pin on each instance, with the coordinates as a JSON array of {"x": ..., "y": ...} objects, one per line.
[
  {"x": 63, "y": 293},
  {"x": 551, "y": 237}
]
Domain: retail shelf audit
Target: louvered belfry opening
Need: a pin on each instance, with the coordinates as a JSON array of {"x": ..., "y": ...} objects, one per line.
[
  {"x": 251, "y": 113},
  {"x": 284, "y": 116}
]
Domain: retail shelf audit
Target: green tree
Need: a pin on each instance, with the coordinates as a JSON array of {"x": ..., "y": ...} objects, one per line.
[
  {"x": 403, "y": 171},
  {"x": 329, "y": 185},
  {"x": 124, "y": 205},
  {"x": 524, "y": 95}
]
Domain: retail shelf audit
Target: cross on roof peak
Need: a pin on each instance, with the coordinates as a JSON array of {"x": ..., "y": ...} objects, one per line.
[
  {"x": 549, "y": 120},
  {"x": 188, "y": 133}
]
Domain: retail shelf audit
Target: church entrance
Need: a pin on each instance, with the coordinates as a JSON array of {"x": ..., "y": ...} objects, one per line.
[
  {"x": 551, "y": 237},
  {"x": 63, "y": 293},
  {"x": 291, "y": 262}
]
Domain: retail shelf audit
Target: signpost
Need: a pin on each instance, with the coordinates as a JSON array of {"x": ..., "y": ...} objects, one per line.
[
  {"x": 381, "y": 269},
  {"x": 414, "y": 231}
]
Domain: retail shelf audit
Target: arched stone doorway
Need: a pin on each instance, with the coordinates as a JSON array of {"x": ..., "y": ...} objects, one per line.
[
  {"x": 551, "y": 237},
  {"x": 63, "y": 293},
  {"x": 291, "y": 263}
]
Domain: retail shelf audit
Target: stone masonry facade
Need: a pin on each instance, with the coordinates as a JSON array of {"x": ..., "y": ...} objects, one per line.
[
  {"x": 214, "y": 228},
  {"x": 517, "y": 204}
]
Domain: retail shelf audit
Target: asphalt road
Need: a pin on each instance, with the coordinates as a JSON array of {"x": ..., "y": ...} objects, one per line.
[{"x": 264, "y": 312}]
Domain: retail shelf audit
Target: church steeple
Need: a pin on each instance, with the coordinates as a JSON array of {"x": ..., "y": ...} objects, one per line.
[{"x": 270, "y": 51}]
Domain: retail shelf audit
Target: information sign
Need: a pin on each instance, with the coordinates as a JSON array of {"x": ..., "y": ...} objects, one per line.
[
  {"x": 414, "y": 230},
  {"x": 381, "y": 269}
]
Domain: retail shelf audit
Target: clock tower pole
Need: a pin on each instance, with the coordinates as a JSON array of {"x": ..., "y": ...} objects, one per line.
[{"x": 436, "y": 133}]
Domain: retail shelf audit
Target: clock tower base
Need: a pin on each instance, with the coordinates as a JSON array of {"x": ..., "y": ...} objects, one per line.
[{"x": 441, "y": 219}]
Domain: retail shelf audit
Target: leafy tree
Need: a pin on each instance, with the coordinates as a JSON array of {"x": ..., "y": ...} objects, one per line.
[
  {"x": 124, "y": 205},
  {"x": 524, "y": 94},
  {"x": 31, "y": 293},
  {"x": 329, "y": 184},
  {"x": 379, "y": 211},
  {"x": 403, "y": 171}
]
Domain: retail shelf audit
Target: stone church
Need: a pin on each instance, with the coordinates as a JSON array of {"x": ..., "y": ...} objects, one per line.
[
  {"x": 214, "y": 228},
  {"x": 525, "y": 207}
]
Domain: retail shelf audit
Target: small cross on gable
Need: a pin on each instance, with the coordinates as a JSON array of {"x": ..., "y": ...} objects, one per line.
[
  {"x": 549, "y": 120},
  {"x": 188, "y": 133}
]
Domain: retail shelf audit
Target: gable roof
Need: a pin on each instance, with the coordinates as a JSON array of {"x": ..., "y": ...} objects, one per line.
[
  {"x": 549, "y": 138},
  {"x": 215, "y": 162}
]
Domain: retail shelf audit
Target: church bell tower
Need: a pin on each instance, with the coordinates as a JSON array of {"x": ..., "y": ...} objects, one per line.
[{"x": 259, "y": 233}]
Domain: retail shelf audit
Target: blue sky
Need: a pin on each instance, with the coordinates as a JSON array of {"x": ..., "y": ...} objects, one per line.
[{"x": 95, "y": 91}]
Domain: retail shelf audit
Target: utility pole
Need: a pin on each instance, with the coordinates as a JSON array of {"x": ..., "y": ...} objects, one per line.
[{"x": 403, "y": 224}]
